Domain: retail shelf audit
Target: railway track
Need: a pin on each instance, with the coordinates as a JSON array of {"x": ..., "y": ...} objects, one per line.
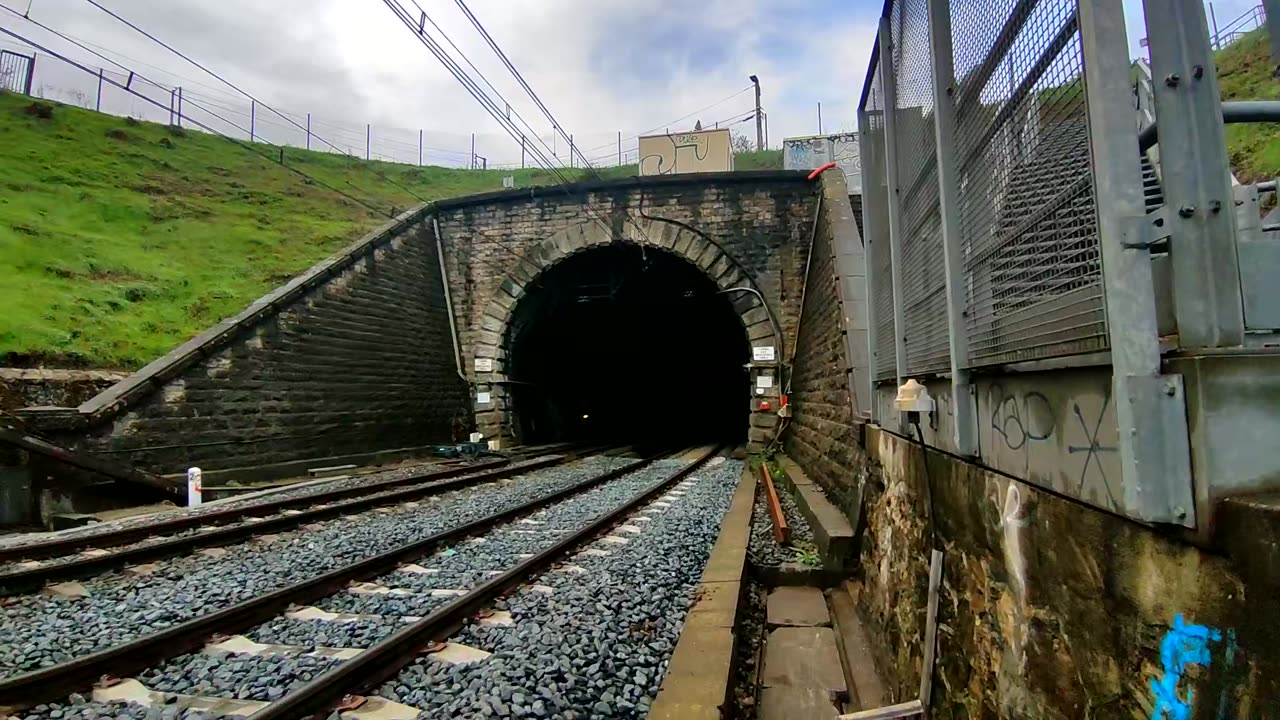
[
  {"x": 32, "y": 566},
  {"x": 438, "y": 612}
]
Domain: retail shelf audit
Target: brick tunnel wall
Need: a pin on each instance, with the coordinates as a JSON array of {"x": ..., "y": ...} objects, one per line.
[
  {"x": 352, "y": 358},
  {"x": 762, "y": 219},
  {"x": 822, "y": 436}
]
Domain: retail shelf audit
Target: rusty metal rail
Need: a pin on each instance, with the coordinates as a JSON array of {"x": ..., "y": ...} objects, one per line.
[
  {"x": 52, "y": 683},
  {"x": 384, "y": 660},
  {"x": 781, "y": 530}
]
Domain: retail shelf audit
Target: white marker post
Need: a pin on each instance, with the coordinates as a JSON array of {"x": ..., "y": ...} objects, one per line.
[{"x": 193, "y": 487}]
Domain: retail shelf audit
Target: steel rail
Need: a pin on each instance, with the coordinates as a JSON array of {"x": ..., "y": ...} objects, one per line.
[
  {"x": 385, "y": 659},
  {"x": 124, "y": 536},
  {"x": 58, "y": 681},
  {"x": 28, "y": 579}
]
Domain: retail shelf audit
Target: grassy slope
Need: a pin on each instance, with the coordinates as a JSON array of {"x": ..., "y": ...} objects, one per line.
[
  {"x": 116, "y": 249},
  {"x": 1244, "y": 73}
]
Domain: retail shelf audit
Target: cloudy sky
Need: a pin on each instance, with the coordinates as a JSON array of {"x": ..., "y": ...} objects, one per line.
[{"x": 600, "y": 66}]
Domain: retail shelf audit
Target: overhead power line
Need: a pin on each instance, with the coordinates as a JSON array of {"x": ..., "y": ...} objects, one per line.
[{"x": 240, "y": 90}]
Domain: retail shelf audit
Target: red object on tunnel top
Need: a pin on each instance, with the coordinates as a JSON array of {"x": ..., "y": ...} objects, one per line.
[
  {"x": 821, "y": 170},
  {"x": 764, "y": 405}
]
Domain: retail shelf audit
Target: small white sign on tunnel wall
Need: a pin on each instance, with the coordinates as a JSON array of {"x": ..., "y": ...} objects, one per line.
[
  {"x": 764, "y": 381},
  {"x": 484, "y": 364},
  {"x": 482, "y": 398},
  {"x": 762, "y": 354}
]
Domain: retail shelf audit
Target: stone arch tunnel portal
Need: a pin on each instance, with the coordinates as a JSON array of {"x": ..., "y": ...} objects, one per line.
[{"x": 625, "y": 342}]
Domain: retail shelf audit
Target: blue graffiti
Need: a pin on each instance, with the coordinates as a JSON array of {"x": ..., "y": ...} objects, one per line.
[{"x": 1183, "y": 645}]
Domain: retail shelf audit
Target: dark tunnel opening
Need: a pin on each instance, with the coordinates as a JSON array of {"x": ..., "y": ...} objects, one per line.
[{"x": 631, "y": 345}]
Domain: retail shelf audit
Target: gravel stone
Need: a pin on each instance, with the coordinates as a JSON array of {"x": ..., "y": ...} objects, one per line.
[
  {"x": 599, "y": 645},
  {"x": 243, "y": 677},
  {"x": 41, "y": 631}
]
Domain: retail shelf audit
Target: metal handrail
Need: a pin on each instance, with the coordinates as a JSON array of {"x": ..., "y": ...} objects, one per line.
[{"x": 1237, "y": 111}]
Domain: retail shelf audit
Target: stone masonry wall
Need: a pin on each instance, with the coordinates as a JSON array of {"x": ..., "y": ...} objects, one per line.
[
  {"x": 352, "y": 358},
  {"x": 1053, "y": 610},
  {"x": 496, "y": 245},
  {"x": 823, "y": 436}
]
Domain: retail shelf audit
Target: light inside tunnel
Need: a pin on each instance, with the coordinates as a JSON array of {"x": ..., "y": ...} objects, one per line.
[{"x": 625, "y": 344}]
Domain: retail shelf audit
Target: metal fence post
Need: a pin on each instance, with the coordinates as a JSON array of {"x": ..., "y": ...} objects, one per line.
[
  {"x": 895, "y": 210},
  {"x": 308, "y": 131},
  {"x": 179, "y": 106},
  {"x": 31, "y": 75},
  {"x": 1196, "y": 177},
  {"x": 98, "y": 104},
  {"x": 419, "y": 148},
  {"x": 253, "y": 119},
  {"x": 944, "y": 122},
  {"x": 1150, "y": 408},
  {"x": 865, "y": 153},
  {"x": 368, "y": 141}
]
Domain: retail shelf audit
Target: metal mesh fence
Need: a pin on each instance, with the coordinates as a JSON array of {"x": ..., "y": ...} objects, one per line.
[
  {"x": 1026, "y": 208},
  {"x": 923, "y": 279},
  {"x": 876, "y": 217}
]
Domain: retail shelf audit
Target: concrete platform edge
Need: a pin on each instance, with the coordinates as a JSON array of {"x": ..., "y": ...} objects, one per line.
[{"x": 699, "y": 680}]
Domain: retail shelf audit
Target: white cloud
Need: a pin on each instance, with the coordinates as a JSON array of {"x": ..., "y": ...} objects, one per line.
[{"x": 600, "y": 65}]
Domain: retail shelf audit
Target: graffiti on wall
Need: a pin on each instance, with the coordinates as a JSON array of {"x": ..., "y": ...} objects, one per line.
[
  {"x": 808, "y": 153},
  {"x": 1183, "y": 646},
  {"x": 1060, "y": 435},
  {"x": 701, "y": 151}
]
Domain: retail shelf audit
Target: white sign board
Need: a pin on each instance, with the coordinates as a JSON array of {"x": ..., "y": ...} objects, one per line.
[
  {"x": 484, "y": 364},
  {"x": 762, "y": 354},
  {"x": 482, "y": 398},
  {"x": 764, "y": 381}
]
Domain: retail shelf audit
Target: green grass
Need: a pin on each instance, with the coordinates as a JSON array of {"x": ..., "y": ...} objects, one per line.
[
  {"x": 121, "y": 240},
  {"x": 758, "y": 160},
  {"x": 1244, "y": 73}
]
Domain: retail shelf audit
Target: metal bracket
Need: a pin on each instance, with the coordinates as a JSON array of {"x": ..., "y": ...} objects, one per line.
[
  {"x": 1145, "y": 233},
  {"x": 1157, "y": 466}
]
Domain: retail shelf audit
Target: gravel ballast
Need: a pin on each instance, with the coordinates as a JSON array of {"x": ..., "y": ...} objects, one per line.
[
  {"x": 304, "y": 489},
  {"x": 41, "y": 631},
  {"x": 599, "y": 644},
  {"x": 249, "y": 677},
  {"x": 764, "y": 548}
]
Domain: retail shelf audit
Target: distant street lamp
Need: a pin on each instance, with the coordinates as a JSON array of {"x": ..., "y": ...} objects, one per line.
[{"x": 759, "y": 118}]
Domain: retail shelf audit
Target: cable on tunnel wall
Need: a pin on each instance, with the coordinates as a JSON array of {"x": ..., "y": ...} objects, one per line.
[
  {"x": 773, "y": 322},
  {"x": 448, "y": 302}
]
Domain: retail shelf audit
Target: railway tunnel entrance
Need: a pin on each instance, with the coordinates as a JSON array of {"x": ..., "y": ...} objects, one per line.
[{"x": 624, "y": 342}]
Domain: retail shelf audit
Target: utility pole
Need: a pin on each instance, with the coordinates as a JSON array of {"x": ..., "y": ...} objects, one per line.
[
  {"x": 619, "y": 147},
  {"x": 759, "y": 119},
  {"x": 819, "y": 117},
  {"x": 473, "y": 151}
]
